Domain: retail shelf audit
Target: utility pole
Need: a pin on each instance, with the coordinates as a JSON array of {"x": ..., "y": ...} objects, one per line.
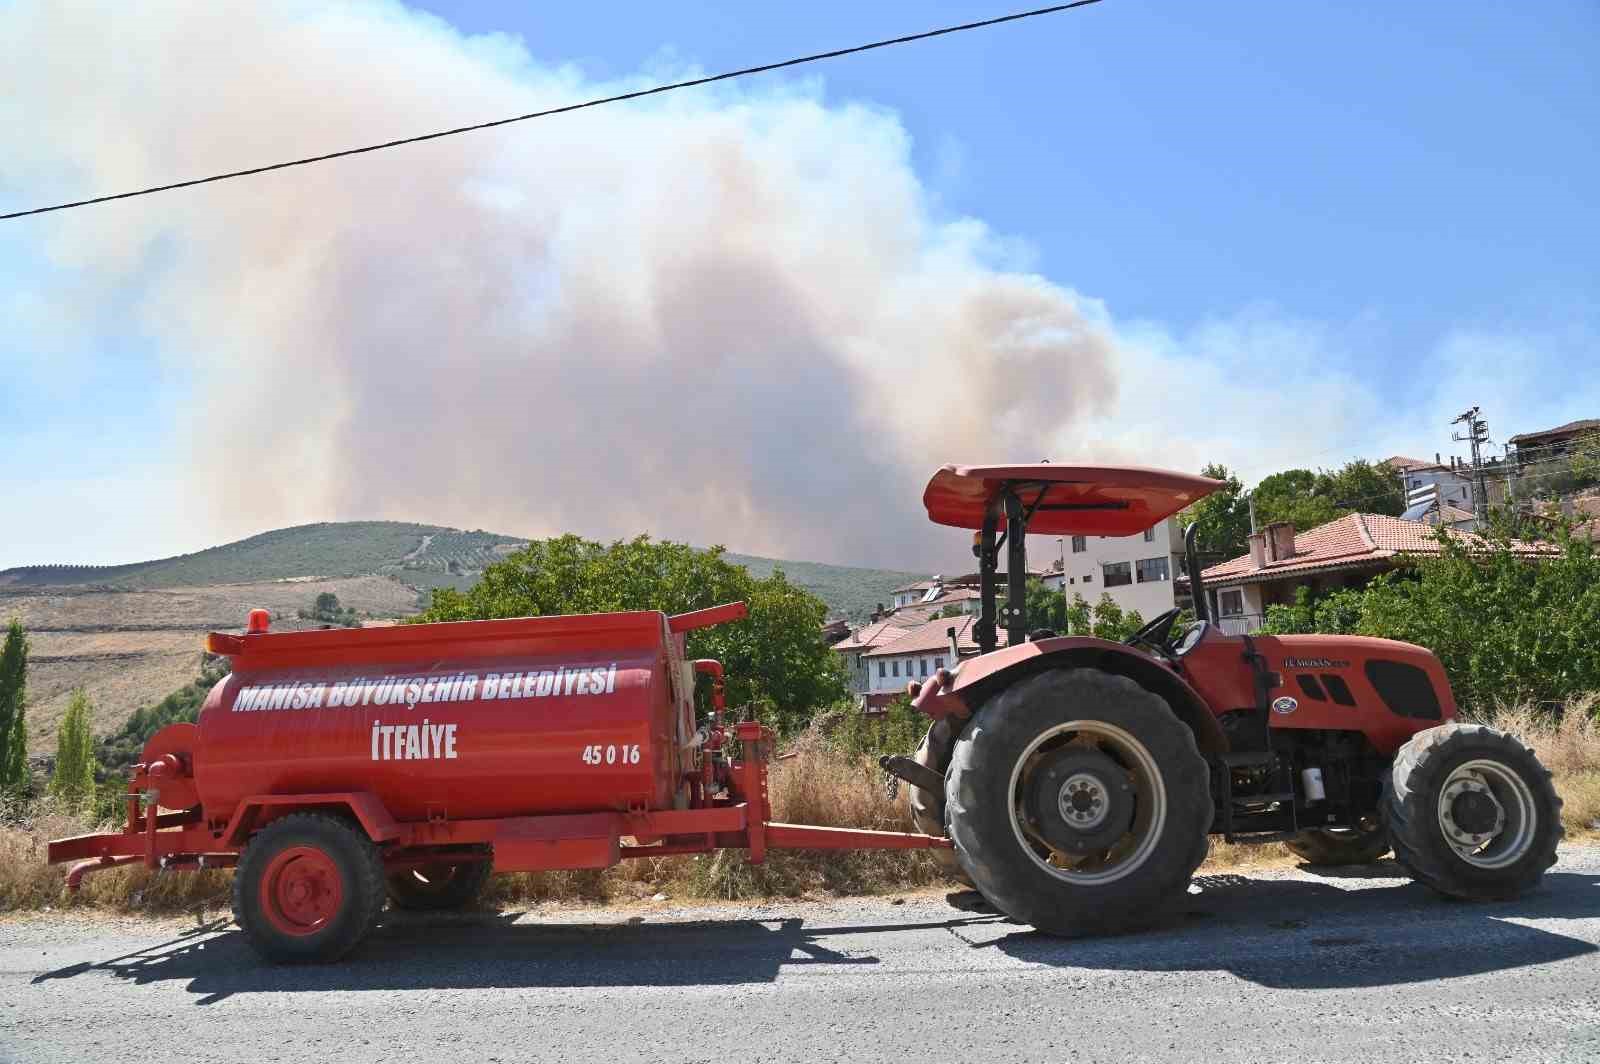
[
  {"x": 1477, "y": 435},
  {"x": 1061, "y": 549}
]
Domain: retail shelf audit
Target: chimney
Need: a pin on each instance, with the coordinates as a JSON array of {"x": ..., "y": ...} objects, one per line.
[
  {"x": 1258, "y": 550},
  {"x": 1280, "y": 541}
]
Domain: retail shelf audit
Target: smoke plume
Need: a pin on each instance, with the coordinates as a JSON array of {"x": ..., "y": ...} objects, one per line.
[{"x": 725, "y": 316}]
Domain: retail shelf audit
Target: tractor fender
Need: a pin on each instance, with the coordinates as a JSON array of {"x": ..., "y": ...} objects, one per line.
[{"x": 982, "y": 677}]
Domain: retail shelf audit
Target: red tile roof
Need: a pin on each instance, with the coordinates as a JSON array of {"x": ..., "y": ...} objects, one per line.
[
  {"x": 1400, "y": 461},
  {"x": 1352, "y": 541},
  {"x": 871, "y": 635},
  {"x": 931, "y": 636}
]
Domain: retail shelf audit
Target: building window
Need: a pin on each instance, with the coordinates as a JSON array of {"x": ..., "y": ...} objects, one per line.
[
  {"x": 923, "y": 664},
  {"x": 1230, "y": 603},
  {"x": 1080, "y": 544},
  {"x": 883, "y": 669},
  {"x": 1088, "y": 578},
  {"x": 1152, "y": 570},
  {"x": 1117, "y": 574},
  {"x": 894, "y": 667},
  {"x": 1150, "y": 534},
  {"x": 938, "y": 663}
]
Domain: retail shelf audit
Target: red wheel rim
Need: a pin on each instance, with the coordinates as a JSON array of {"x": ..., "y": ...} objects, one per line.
[{"x": 301, "y": 890}]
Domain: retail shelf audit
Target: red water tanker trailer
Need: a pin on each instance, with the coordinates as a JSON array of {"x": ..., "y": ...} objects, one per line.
[
  {"x": 1075, "y": 780},
  {"x": 337, "y": 768}
]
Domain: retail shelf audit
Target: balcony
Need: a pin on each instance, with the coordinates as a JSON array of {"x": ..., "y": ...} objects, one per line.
[{"x": 1240, "y": 623}]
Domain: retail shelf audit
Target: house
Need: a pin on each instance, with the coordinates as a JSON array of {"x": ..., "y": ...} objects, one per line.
[
  {"x": 854, "y": 648},
  {"x": 1346, "y": 552},
  {"x": 1139, "y": 572},
  {"x": 950, "y": 600},
  {"x": 1453, "y": 482},
  {"x": 915, "y": 592},
  {"x": 915, "y": 655},
  {"x": 1550, "y": 443}
]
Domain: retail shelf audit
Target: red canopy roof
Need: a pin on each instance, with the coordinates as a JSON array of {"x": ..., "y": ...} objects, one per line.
[{"x": 1076, "y": 500}]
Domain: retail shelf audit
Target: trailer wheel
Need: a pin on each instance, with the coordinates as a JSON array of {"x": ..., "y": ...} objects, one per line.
[
  {"x": 1078, "y": 802},
  {"x": 1471, "y": 812},
  {"x": 437, "y": 887},
  {"x": 308, "y": 888},
  {"x": 1339, "y": 847}
]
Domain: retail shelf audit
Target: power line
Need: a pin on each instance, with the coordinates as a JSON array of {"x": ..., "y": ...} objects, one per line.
[{"x": 619, "y": 98}]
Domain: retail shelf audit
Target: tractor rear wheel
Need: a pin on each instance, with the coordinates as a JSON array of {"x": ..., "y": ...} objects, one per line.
[
  {"x": 436, "y": 887},
  {"x": 309, "y": 886},
  {"x": 1471, "y": 812},
  {"x": 1339, "y": 847},
  {"x": 1078, "y": 802}
]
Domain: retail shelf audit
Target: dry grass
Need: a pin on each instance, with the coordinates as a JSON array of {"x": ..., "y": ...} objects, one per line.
[
  {"x": 815, "y": 786},
  {"x": 1569, "y": 746}
]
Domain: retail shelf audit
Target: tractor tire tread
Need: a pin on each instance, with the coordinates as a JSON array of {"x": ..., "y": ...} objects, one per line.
[
  {"x": 987, "y": 846},
  {"x": 1414, "y": 834}
]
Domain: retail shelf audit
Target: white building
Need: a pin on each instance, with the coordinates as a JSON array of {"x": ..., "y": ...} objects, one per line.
[
  {"x": 1454, "y": 480},
  {"x": 1138, "y": 572},
  {"x": 915, "y": 655}
]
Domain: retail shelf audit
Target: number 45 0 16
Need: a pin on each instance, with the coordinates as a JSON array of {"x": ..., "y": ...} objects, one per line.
[{"x": 625, "y": 754}]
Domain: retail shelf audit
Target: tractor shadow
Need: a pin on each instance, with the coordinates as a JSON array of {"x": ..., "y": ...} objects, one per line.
[
  {"x": 1279, "y": 933},
  {"x": 1312, "y": 934}
]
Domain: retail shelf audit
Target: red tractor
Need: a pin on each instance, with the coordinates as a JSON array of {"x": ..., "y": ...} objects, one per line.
[
  {"x": 1079, "y": 779},
  {"x": 1076, "y": 780}
]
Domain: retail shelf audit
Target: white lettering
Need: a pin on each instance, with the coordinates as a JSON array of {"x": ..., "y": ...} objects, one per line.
[{"x": 611, "y": 678}]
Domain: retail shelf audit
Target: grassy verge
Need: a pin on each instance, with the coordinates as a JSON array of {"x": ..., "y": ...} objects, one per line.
[{"x": 818, "y": 785}]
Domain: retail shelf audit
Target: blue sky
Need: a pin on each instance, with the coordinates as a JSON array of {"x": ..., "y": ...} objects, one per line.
[{"x": 1389, "y": 206}]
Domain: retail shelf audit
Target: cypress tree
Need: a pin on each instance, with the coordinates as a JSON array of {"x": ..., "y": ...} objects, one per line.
[
  {"x": 73, "y": 778},
  {"x": 13, "y": 726}
]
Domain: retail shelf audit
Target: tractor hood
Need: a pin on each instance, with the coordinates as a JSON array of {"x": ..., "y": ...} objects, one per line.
[{"x": 1065, "y": 500}]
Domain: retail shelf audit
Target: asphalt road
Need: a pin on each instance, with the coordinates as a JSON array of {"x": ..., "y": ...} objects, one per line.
[{"x": 1274, "y": 966}]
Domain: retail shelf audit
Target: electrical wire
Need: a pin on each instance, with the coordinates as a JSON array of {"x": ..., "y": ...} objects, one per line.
[{"x": 601, "y": 101}]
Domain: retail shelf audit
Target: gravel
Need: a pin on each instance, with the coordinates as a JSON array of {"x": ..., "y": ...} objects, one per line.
[{"x": 1273, "y": 965}]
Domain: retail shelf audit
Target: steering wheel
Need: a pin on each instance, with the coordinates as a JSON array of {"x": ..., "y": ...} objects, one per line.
[{"x": 1157, "y": 635}]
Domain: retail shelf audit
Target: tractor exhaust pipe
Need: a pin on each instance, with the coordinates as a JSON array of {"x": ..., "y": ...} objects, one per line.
[{"x": 1191, "y": 561}]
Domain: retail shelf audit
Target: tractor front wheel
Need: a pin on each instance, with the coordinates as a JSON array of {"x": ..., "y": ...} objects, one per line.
[
  {"x": 1471, "y": 812},
  {"x": 1339, "y": 847},
  {"x": 309, "y": 886},
  {"x": 1078, "y": 802},
  {"x": 436, "y": 887}
]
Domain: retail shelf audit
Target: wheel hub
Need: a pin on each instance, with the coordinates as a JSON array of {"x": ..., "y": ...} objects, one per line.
[
  {"x": 1079, "y": 800},
  {"x": 1469, "y": 812}
]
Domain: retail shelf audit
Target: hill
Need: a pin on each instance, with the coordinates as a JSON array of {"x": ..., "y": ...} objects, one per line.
[{"x": 422, "y": 556}]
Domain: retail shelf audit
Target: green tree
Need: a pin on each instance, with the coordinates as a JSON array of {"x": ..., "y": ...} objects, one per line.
[
  {"x": 1291, "y": 496},
  {"x": 1080, "y": 617},
  {"x": 1223, "y": 516},
  {"x": 327, "y": 604},
  {"x": 1044, "y": 608},
  {"x": 775, "y": 659},
  {"x": 1110, "y": 622},
  {"x": 1360, "y": 486},
  {"x": 73, "y": 778},
  {"x": 13, "y": 710}
]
